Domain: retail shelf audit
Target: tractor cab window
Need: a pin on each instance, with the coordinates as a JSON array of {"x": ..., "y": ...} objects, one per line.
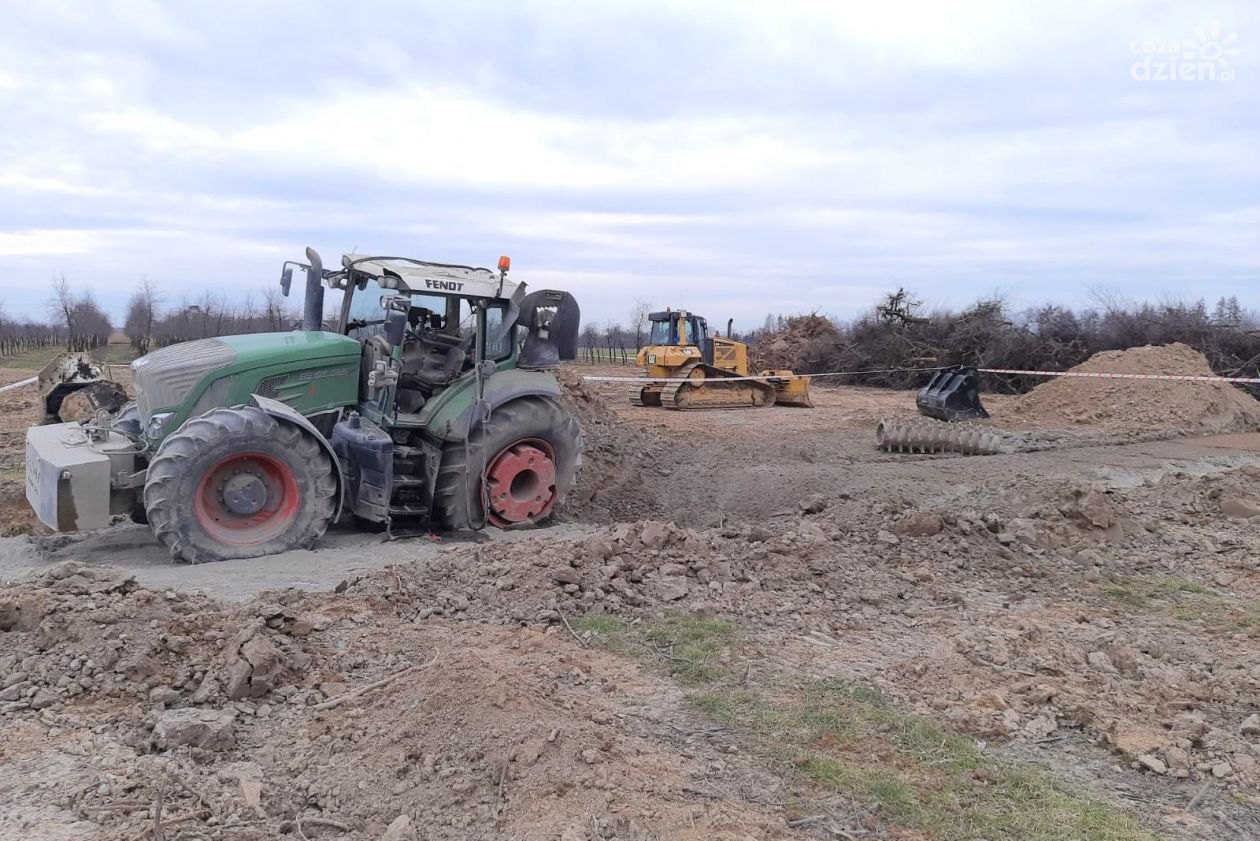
[
  {"x": 502, "y": 348},
  {"x": 334, "y": 301},
  {"x": 428, "y": 312},
  {"x": 364, "y": 315},
  {"x": 663, "y": 333},
  {"x": 467, "y": 319},
  {"x": 494, "y": 321}
]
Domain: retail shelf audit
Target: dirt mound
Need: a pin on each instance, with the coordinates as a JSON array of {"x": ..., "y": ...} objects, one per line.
[
  {"x": 242, "y": 721},
  {"x": 618, "y": 460},
  {"x": 646, "y": 566},
  {"x": 1148, "y": 404},
  {"x": 802, "y": 344},
  {"x": 93, "y": 632}
]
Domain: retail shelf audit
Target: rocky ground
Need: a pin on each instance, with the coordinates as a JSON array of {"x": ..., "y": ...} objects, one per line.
[{"x": 753, "y": 625}]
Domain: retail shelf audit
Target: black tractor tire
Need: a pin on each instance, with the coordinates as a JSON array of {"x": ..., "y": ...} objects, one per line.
[
  {"x": 528, "y": 424},
  {"x": 193, "y": 518}
]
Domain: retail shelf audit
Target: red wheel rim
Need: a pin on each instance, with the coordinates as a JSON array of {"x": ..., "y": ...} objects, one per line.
[
  {"x": 521, "y": 483},
  {"x": 247, "y": 499}
]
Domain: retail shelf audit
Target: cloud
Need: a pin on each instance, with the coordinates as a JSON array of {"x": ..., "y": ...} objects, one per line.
[
  {"x": 42, "y": 242},
  {"x": 737, "y": 159}
]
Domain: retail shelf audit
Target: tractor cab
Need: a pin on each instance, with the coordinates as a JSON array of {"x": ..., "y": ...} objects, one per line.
[
  {"x": 422, "y": 327},
  {"x": 425, "y": 326}
]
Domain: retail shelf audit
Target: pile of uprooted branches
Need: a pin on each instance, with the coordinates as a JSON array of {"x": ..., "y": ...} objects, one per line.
[{"x": 899, "y": 335}]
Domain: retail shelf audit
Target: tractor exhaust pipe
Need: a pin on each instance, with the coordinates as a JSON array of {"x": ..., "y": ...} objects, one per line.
[
  {"x": 729, "y": 322},
  {"x": 313, "y": 306}
]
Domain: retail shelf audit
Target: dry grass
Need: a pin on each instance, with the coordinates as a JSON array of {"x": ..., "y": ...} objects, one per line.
[
  {"x": 841, "y": 743},
  {"x": 836, "y": 739},
  {"x": 692, "y": 648},
  {"x": 1186, "y": 601}
]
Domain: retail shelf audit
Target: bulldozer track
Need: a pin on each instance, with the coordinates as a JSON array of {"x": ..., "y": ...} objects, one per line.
[
  {"x": 640, "y": 395},
  {"x": 713, "y": 393}
]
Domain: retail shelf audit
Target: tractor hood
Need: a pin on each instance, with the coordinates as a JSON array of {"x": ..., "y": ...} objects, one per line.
[{"x": 166, "y": 378}]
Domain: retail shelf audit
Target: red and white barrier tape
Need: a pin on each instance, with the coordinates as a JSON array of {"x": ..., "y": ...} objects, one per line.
[
  {"x": 19, "y": 384},
  {"x": 1194, "y": 378},
  {"x": 756, "y": 376},
  {"x": 1197, "y": 378}
]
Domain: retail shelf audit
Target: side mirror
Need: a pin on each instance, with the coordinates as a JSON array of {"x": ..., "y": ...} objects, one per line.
[
  {"x": 395, "y": 327},
  {"x": 286, "y": 279}
]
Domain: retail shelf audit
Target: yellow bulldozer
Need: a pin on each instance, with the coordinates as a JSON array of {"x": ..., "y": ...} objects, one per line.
[{"x": 694, "y": 368}]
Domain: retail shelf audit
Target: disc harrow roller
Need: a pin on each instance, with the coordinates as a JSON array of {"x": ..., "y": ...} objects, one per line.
[{"x": 926, "y": 436}]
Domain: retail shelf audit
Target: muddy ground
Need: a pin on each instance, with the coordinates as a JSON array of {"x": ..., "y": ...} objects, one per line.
[{"x": 750, "y": 624}]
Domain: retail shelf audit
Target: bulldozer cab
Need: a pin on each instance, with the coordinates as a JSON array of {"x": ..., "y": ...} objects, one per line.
[{"x": 679, "y": 328}]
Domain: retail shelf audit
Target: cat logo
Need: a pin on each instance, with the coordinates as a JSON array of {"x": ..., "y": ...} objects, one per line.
[{"x": 444, "y": 285}]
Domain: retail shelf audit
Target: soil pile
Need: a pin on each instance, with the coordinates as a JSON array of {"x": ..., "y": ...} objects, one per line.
[
  {"x": 618, "y": 458},
  {"x": 803, "y": 344},
  {"x": 93, "y": 632},
  {"x": 1145, "y": 404},
  {"x": 297, "y": 714}
]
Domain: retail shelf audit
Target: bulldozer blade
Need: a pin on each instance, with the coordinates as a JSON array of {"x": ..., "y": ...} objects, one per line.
[
  {"x": 790, "y": 390},
  {"x": 953, "y": 394}
]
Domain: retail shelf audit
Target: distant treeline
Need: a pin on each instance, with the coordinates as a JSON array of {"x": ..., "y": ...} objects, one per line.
[
  {"x": 76, "y": 322},
  {"x": 151, "y": 322},
  {"x": 898, "y": 333},
  {"x": 26, "y": 335}
]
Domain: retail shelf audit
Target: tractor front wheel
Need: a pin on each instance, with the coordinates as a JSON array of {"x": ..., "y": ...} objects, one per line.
[
  {"x": 237, "y": 483},
  {"x": 523, "y": 462}
]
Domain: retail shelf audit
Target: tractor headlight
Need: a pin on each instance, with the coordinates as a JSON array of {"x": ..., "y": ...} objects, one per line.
[{"x": 156, "y": 423}]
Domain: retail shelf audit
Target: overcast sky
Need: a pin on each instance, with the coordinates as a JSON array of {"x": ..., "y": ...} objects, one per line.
[{"x": 734, "y": 158}]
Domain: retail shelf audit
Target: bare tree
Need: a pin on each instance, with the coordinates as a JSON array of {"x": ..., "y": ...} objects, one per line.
[
  {"x": 247, "y": 313},
  {"x": 61, "y": 305},
  {"x": 141, "y": 314},
  {"x": 273, "y": 308},
  {"x": 639, "y": 321},
  {"x": 900, "y": 307},
  {"x": 92, "y": 326},
  {"x": 86, "y": 324}
]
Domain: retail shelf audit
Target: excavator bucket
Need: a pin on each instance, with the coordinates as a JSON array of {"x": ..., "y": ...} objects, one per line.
[
  {"x": 953, "y": 394},
  {"x": 73, "y": 387},
  {"x": 790, "y": 390}
]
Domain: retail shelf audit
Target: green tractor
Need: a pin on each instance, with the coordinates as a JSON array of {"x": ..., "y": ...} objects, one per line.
[{"x": 431, "y": 405}]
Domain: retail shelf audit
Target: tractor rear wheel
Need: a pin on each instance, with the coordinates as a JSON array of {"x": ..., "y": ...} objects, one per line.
[
  {"x": 237, "y": 483},
  {"x": 529, "y": 454}
]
